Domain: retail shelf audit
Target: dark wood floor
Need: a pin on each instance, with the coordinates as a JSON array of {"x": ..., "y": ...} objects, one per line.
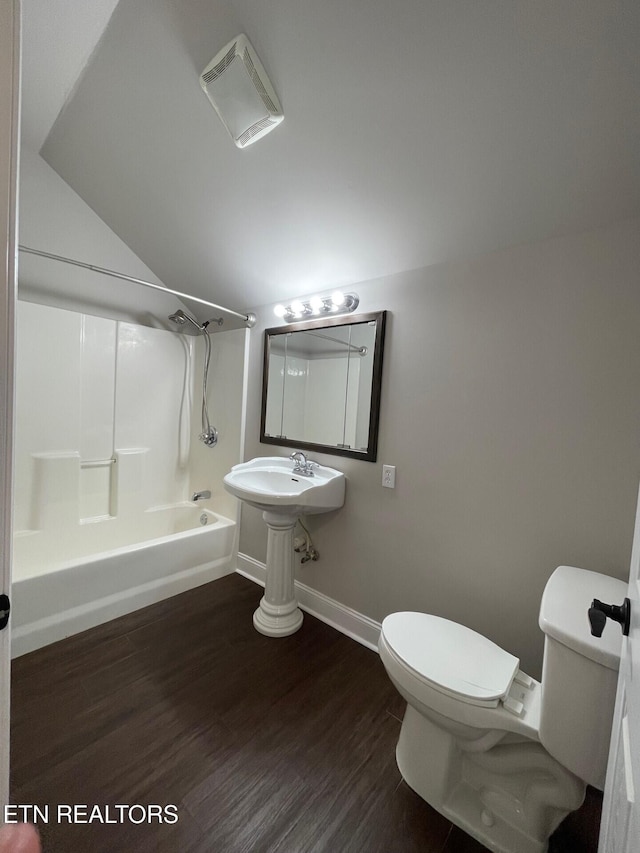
[{"x": 264, "y": 745}]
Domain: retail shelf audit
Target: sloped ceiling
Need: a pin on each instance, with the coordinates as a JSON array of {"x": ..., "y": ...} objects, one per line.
[
  {"x": 58, "y": 37},
  {"x": 415, "y": 132}
]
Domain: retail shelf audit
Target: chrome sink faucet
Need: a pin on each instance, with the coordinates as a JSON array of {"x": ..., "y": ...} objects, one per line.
[{"x": 302, "y": 465}]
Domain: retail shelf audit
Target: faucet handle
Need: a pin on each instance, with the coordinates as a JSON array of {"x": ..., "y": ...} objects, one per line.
[{"x": 307, "y": 467}]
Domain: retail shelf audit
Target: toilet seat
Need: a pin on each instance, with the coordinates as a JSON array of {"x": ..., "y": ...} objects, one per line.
[{"x": 451, "y": 658}]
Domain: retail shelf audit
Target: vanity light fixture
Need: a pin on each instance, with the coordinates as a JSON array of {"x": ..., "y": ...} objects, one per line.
[{"x": 318, "y": 306}]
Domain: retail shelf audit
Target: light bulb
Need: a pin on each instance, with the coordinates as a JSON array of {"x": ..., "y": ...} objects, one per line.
[
  {"x": 298, "y": 308},
  {"x": 317, "y": 304},
  {"x": 337, "y": 298},
  {"x": 279, "y": 310}
]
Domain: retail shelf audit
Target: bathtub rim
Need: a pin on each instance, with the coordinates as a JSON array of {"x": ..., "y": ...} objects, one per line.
[
  {"x": 20, "y": 573},
  {"x": 38, "y": 631}
]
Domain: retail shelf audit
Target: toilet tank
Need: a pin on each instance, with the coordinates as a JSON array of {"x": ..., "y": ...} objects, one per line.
[{"x": 579, "y": 671}]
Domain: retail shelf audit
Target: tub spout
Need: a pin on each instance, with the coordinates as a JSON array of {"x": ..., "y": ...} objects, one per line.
[{"x": 201, "y": 496}]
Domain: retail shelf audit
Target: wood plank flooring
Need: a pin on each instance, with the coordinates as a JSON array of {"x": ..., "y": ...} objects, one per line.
[{"x": 264, "y": 745}]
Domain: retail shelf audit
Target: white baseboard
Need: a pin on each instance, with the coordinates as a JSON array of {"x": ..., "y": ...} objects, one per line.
[{"x": 344, "y": 619}]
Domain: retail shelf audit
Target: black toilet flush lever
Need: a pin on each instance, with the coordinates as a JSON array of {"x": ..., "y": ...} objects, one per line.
[{"x": 598, "y": 613}]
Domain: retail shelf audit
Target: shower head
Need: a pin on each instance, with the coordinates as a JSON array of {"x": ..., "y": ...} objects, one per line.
[
  {"x": 190, "y": 326},
  {"x": 186, "y": 322}
]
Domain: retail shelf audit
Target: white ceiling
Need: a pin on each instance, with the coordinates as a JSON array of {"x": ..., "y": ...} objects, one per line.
[
  {"x": 415, "y": 132},
  {"x": 58, "y": 37}
]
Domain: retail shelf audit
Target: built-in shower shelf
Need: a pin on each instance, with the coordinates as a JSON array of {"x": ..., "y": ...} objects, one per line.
[{"x": 97, "y": 463}]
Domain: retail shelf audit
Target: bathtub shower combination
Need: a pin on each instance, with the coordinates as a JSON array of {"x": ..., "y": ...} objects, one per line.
[
  {"x": 70, "y": 578},
  {"x": 103, "y": 519}
]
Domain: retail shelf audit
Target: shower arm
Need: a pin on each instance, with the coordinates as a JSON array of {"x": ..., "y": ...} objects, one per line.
[{"x": 248, "y": 319}]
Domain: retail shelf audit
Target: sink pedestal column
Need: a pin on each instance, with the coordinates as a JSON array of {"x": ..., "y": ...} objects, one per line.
[{"x": 279, "y": 614}]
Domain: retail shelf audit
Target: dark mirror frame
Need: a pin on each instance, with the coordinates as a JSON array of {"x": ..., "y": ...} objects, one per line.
[{"x": 371, "y": 453}]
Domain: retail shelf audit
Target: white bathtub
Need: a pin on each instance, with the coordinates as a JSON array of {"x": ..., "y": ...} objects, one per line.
[{"x": 64, "y": 585}]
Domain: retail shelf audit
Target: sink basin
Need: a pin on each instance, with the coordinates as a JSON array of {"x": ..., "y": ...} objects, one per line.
[{"x": 269, "y": 484}]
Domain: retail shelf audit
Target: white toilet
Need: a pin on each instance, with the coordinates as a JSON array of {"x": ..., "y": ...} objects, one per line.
[{"x": 501, "y": 755}]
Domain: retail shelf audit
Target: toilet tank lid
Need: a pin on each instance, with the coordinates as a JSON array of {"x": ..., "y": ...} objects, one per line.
[
  {"x": 454, "y": 659},
  {"x": 565, "y": 603}
]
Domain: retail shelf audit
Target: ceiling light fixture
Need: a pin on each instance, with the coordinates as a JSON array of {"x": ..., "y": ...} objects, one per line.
[{"x": 318, "y": 306}]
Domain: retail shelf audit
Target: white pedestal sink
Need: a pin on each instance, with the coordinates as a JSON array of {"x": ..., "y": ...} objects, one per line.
[{"x": 270, "y": 484}]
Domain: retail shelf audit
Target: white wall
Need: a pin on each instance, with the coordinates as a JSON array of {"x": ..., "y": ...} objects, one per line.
[
  {"x": 331, "y": 414},
  {"x": 307, "y": 415},
  {"x": 9, "y": 134},
  {"x": 510, "y": 407},
  {"x": 53, "y": 218},
  {"x": 154, "y": 387},
  {"x": 208, "y": 465},
  {"x": 91, "y": 388},
  {"x": 295, "y": 374}
]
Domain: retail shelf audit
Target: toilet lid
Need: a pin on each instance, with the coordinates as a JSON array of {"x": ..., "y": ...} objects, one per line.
[{"x": 452, "y": 658}]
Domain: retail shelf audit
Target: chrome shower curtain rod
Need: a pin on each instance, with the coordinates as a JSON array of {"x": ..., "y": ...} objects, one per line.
[
  {"x": 249, "y": 319},
  {"x": 359, "y": 350}
]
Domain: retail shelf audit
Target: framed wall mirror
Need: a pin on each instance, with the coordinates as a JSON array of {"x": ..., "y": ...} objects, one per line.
[{"x": 321, "y": 385}]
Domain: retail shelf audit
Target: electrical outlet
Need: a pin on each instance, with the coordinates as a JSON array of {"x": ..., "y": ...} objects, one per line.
[{"x": 389, "y": 476}]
